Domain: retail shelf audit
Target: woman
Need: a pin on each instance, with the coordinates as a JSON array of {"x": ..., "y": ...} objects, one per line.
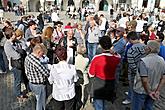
[
  {"x": 22, "y": 47},
  {"x": 57, "y": 33},
  {"x": 7, "y": 25},
  {"x": 32, "y": 44},
  {"x": 80, "y": 36},
  {"x": 63, "y": 77},
  {"x": 19, "y": 35},
  {"x": 46, "y": 39}
]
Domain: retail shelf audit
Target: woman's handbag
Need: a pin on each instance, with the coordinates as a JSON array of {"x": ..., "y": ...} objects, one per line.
[{"x": 17, "y": 63}]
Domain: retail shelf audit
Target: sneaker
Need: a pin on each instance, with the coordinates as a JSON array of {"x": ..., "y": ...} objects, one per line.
[
  {"x": 126, "y": 93},
  {"x": 126, "y": 102}
]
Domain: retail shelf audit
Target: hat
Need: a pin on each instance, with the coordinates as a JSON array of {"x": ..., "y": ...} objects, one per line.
[
  {"x": 121, "y": 29},
  {"x": 154, "y": 46}
]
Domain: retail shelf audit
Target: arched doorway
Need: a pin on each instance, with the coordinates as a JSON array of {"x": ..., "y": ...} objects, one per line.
[
  {"x": 34, "y": 5},
  {"x": 145, "y": 2},
  {"x": 103, "y": 6},
  {"x": 38, "y": 6},
  {"x": 70, "y": 3},
  {"x": 85, "y": 3}
]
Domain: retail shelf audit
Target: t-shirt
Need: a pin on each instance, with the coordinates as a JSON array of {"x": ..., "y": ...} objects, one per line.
[
  {"x": 162, "y": 51},
  {"x": 152, "y": 67},
  {"x": 104, "y": 66}
]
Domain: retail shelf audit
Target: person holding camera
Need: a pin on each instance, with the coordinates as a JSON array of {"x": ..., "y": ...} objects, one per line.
[
  {"x": 13, "y": 52},
  {"x": 70, "y": 43}
]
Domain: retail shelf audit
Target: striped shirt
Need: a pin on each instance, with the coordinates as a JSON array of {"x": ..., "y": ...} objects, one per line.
[
  {"x": 63, "y": 77},
  {"x": 36, "y": 72},
  {"x": 134, "y": 54}
]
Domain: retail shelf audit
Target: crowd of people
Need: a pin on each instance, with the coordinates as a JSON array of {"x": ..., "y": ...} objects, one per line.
[{"x": 86, "y": 59}]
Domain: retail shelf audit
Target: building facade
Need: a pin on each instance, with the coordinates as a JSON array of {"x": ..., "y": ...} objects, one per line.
[{"x": 36, "y": 5}]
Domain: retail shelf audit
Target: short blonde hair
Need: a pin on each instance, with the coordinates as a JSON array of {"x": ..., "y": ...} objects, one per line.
[
  {"x": 18, "y": 33},
  {"x": 79, "y": 25},
  {"x": 40, "y": 47}
]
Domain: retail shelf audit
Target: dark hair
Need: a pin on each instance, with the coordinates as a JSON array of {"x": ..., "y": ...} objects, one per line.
[
  {"x": 61, "y": 53},
  {"x": 102, "y": 15},
  {"x": 31, "y": 23},
  {"x": 161, "y": 36},
  {"x": 132, "y": 36},
  {"x": 8, "y": 33},
  {"x": 105, "y": 42},
  {"x": 8, "y": 22},
  {"x": 34, "y": 41}
]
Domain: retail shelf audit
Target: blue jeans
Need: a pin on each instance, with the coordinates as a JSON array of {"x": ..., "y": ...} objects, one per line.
[
  {"x": 40, "y": 93},
  {"x": 130, "y": 89},
  {"x": 100, "y": 104},
  {"x": 142, "y": 101},
  {"x": 17, "y": 81},
  {"x": 2, "y": 63},
  {"x": 92, "y": 48}
]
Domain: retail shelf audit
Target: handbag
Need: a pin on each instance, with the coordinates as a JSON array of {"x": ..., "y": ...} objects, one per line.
[{"x": 16, "y": 63}]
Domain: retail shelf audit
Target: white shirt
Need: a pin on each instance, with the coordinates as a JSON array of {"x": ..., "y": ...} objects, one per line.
[
  {"x": 123, "y": 21},
  {"x": 63, "y": 77},
  {"x": 55, "y": 17},
  {"x": 140, "y": 24},
  {"x": 103, "y": 23}
]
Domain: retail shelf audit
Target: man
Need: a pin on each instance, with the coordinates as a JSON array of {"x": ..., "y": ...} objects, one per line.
[
  {"x": 92, "y": 39},
  {"x": 149, "y": 79},
  {"x": 123, "y": 21},
  {"x": 119, "y": 44},
  {"x": 131, "y": 27},
  {"x": 11, "y": 48},
  {"x": 103, "y": 71},
  {"x": 119, "y": 47},
  {"x": 36, "y": 73},
  {"x": 134, "y": 54},
  {"x": 70, "y": 43},
  {"x": 102, "y": 23}
]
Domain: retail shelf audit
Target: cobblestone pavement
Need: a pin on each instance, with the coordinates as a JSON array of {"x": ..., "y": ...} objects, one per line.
[{"x": 9, "y": 102}]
